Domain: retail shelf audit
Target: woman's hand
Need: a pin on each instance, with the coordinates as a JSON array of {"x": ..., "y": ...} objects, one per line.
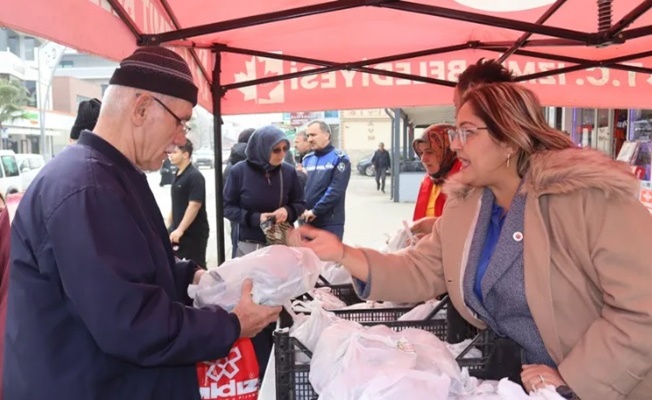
[
  {"x": 265, "y": 216},
  {"x": 536, "y": 376},
  {"x": 326, "y": 245},
  {"x": 423, "y": 226},
  {"x": 281, "y": 215}
]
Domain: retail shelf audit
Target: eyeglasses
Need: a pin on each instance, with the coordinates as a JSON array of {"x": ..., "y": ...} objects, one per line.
[
  {"x": 280, "y": 150},
  {"x": 180, "y": 122},
  {"x": 463, "y": 133}
]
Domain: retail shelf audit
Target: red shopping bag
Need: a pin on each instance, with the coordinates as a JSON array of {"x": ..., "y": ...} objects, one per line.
[{"x": 234, "y": 377}]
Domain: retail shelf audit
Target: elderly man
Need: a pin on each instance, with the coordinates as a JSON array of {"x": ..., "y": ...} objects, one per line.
[{"x": 98, "y": 307}]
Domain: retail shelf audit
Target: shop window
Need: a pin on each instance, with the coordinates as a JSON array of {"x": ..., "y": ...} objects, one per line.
[
  {"x": 30, "y": 47},
  {"x": 584, "y": 127},
  {"x": 641, "y": 125}
]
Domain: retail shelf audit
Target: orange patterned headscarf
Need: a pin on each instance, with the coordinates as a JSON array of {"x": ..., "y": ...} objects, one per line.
[{"x": 436, "y": 137}]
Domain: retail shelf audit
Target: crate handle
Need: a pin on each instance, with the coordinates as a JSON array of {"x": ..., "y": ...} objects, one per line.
[
  {"x": 468, "y": 348},
  {"x": 301, "y": 346},
  {"x": 445, "y": 301},
  {"x": 324, "y": 280}
]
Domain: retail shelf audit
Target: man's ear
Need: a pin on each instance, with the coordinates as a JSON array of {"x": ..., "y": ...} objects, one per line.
[{"x": 140, "y": 109}]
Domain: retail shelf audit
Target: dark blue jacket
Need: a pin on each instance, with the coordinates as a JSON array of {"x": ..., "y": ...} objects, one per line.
[
  {"x": 329, "y": 171},
  {"x": 254, "y": 186},
  {"x": 96, "y": 301}
]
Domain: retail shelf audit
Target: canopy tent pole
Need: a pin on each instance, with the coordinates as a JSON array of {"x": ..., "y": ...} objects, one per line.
[
  {"x": 405, "y": 138},
  {"x": 396, "y": 152},
  {"x": 217, "y": 93}
]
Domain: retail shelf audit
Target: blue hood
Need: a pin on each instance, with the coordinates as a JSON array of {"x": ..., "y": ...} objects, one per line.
[{"x": 261, "y": 143}]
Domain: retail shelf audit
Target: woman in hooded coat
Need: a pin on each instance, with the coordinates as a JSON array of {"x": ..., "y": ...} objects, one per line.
[{"x": 260, "y": 188}]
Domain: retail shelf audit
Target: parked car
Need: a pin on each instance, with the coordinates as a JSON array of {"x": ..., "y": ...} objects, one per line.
[
  {"x": 10, "y": 179},
  {"x": 203, "y": 157},
  {"x": 366, "y": 168},
  {"x": 29, "y": 165}
]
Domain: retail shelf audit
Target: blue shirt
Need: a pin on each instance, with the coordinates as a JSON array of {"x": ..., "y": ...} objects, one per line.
[{"x": 493, "y": 234}]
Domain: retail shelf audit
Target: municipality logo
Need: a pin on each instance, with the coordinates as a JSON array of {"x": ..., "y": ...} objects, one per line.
[{"x": 257, "y": 68}]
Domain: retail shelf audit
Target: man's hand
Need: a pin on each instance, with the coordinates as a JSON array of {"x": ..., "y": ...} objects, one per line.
[
  {"x": 300, "y": 168},
  {"x": 253, "y": 317},
  {"x": 197, "y": 276},
  {"x": 309, "y": 216},
  {"x": 281, "y": 215},
  {"x": 176, "y": 235}
]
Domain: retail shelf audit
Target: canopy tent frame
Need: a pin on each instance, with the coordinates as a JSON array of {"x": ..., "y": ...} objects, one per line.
[{"x": 608, "y": 33}]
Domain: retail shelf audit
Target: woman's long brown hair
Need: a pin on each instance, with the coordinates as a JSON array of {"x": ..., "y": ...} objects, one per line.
[{"x": 514, "y": 115}]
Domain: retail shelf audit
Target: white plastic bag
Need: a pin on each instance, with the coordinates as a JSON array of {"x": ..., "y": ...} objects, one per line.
[
  {"x": 433, "y": 356},
  {"x": 422, "y": 311},
  {"x": 387, "y": 383},
  {"x": 308, "y": 330},
  {"x": 402, "y": 239},
  {"x": 335, "y": 274},
  {"x": 279, "y": 274},
  {"x": 411, "y": 384},
  {"x": 344, "y": 347},
  {"x": 508, "y": 390}
]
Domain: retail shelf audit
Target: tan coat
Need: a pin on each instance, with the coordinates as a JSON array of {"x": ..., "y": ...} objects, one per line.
[{"x": 588, "y": 269}]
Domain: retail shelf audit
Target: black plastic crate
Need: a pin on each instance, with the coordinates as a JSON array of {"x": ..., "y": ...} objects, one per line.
[
  {"x": 293, "y": 380},
  {"x": 372, "y": 314}
]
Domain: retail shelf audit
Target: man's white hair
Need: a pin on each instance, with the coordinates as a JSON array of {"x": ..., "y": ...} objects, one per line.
[{"x": 118, "y": 100}]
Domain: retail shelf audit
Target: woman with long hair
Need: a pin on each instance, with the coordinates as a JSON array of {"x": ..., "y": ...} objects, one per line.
[{"x": 543, "y": 242}]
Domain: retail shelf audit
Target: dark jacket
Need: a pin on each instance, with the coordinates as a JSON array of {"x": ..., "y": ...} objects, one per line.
[
  {"x": 329, "y": 171},
  {"x": 4, "y": 282},
  {"x": 254, "y": 186},
  {"x": 168, "y": 171},
  {"x": 381, "y": 160},
  {"x": 97, "y": 306},
  {"x": 237, "y": 154}
]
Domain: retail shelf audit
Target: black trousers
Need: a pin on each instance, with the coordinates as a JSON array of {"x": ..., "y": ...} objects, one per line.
[
  {"x": 193, "y": 248},
  {"x": 263, "y": 343},
  {"x": 381, "y": 174}
]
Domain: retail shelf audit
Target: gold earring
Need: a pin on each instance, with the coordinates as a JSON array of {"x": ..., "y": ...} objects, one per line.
[{"x": 509, "y": 155}]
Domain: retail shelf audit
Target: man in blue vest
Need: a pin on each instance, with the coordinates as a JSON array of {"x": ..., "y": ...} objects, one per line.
[{"x": 329, "y": 171}]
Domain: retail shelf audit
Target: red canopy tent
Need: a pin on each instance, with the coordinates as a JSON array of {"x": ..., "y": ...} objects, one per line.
[{"x": 285, "y": 55}]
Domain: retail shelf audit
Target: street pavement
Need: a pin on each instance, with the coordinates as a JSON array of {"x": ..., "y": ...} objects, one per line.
[{"x": 370, "y": 215}]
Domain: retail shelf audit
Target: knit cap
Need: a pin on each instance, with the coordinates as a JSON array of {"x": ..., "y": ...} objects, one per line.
[{"x": 159, "y": 70}]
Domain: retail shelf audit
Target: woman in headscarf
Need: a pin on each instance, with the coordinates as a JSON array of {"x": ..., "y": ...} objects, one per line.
[{"x": 440, "y": 162}]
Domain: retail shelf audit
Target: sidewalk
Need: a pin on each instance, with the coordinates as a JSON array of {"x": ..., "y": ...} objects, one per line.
[{"x": 370, "y": 215}]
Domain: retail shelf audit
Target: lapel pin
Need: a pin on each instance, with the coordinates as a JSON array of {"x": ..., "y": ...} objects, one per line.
[{"x": 518, "y": 236}]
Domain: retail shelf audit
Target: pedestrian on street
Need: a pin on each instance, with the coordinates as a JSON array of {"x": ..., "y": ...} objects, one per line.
[{"x": 381, "y": 162}]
